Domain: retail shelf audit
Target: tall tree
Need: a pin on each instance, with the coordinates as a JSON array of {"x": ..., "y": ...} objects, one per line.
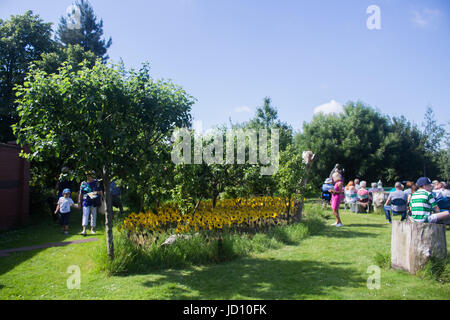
[
  {"x": 87, "y": 32},
  {"x": 100, "y": 117},
  {"x": 23, "y": 38},
  {"x": 433, "y": 133},
  {"x": 365, "y": 142}
]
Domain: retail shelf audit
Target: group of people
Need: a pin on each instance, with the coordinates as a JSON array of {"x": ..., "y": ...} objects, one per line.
[
  {"x": 90, "y": 197},
  {"x": 423, "y": 201},
  {"x": 354, "y": 191}
]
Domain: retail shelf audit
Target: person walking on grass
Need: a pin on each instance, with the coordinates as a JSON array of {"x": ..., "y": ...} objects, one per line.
[
  {"x": 63, "y": 206},
  {"x": 336, "y": 197},
  {"x": 89, "y": 192}
]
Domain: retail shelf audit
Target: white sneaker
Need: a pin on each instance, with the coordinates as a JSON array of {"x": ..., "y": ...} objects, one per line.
[
  {"x": 339, "y": 225},
  {"x": 334, "y": 224},
  {"x": 92, "y": 231}
]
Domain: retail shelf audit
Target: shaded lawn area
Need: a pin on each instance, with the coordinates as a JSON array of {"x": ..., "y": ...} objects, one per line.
[{"x": 331, "y": 264}]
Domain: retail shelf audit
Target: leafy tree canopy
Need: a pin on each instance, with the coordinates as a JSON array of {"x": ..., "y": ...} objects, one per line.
[{"x": 23, "y": 38}]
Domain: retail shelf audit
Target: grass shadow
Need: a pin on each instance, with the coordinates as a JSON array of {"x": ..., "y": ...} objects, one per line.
[
  {"x": 41, "y": 229},
  {"x": 369, "y": 225},
  {"x": 344, "y": 232},
  {"x": 253, "y": 278}
]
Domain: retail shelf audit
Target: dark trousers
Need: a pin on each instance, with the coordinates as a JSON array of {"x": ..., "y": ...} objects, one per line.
[{"x": 388, "y": 211}]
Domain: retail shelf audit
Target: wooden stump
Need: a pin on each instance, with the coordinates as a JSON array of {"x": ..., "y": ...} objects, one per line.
[{"x": 414, "y": 243}]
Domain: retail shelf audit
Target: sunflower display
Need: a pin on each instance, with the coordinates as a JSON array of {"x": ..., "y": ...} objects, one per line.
[{"x": 235, "y": 215}]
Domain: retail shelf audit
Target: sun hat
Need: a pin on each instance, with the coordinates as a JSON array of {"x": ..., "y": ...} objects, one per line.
[
  {"x": 423, "y": 181},
  {"x": 328, "y": 180},
  {"x": 66, "y": 191}
]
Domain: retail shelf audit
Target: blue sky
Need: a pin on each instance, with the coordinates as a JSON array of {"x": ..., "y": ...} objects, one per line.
[{"x": 303, "y": 54}]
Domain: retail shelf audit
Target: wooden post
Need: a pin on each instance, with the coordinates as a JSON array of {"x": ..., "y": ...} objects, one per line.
[{"x": 414, "y": 243}]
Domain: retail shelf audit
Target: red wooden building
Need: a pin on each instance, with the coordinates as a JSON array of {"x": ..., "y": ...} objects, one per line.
[{"x": 14, "y": 187}]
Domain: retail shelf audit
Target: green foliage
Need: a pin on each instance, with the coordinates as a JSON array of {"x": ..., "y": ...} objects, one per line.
[
  {"x": 73, "y": 55},
  {"x": 89, "y": 36},
  {"x": 198, "y": 250},
  {"x": 438, "y": 270},
  {"x": 437, "y": 153},
  {"x": 383, "y": 259},
  {"x": 23, "y": 38},
  {"x": 367, "y": 144},
  {"x": 290, "y": 172},
  {"x": 102, "y": 118}
]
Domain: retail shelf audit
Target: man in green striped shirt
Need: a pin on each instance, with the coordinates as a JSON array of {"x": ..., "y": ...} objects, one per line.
[{"x": 423, "y": 203}]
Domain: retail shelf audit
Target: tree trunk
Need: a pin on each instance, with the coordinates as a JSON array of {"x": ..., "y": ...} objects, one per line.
[
  {"x": 299, "y": 204},
  {"x": 214, "y": 200},
  {"x": 414, "y": 243},
  {"x": 109, "y": 214}
]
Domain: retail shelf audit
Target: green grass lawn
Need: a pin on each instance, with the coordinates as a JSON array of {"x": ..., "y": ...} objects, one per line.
[{"x": 330, "y": 264}]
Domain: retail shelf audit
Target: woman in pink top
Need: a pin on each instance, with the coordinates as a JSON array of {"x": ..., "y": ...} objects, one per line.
[{"x": 337, "y": 193}]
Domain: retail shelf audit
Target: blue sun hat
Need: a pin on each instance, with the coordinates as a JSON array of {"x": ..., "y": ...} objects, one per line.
[{"x": 66, "y": 191}]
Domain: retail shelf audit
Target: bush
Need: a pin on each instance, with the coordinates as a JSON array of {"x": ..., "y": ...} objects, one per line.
[
  {"x": 200, "y": 249},
  {"x": 437, "y": 270},
  {"x": 383, "y": 259}
]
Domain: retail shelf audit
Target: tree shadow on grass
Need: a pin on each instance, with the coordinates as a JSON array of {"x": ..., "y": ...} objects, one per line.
[
  {"x": 41, "y": 230},
  {"x": 368, "y": 225},
  {"x": 344, "y": 232},
  {"x": 259, "y": 279}
]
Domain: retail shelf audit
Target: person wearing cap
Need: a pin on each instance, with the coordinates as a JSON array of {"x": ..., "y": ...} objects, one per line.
[
  {"x": 423, "y": 203},
  {"x": 327, "y": 185},
  {"x": 64, "y": 204},
  {"x": 396, "y": 203}
]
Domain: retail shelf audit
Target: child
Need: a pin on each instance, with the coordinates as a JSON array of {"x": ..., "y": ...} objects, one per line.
[
  {"x": 336, "y": 197},
  {"x": 64, "y": 204}
]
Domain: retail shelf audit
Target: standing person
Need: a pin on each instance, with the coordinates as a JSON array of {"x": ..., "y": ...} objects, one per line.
[
  {"x": 64, "y": 204},
  {"x": 396, "y": 203},
  {"x": 89, "y": 193},
  {"x": 337, "y": 193},
  {"x": 115, "y": 194},
  {"x": 423, "y": 204}
]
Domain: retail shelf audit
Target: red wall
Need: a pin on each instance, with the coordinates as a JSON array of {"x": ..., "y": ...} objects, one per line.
[{"x": 14, "y": 190}]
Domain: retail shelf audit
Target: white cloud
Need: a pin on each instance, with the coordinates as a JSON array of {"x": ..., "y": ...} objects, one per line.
[
  {"x": 243, "y": 109},
  {"x": 426, "y": 17},
  {"x": 329, "y": 108}
]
